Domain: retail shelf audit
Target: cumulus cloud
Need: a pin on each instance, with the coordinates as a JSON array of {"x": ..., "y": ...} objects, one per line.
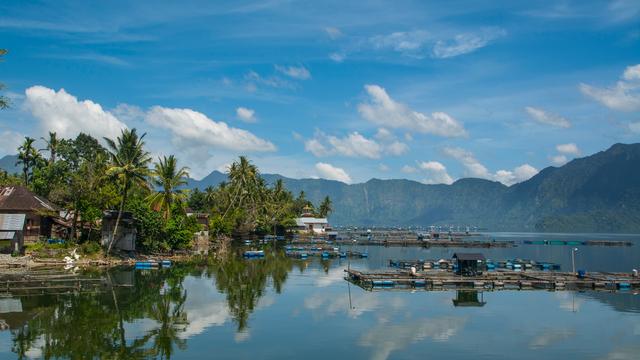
[
  {"x": 382, "y": 110},
  {"x": 195, "y": 128},
  {"x": 465, "y": 43},
  {"x": 246, "y": 114},
  {"x": 437, "y": 173},
  {"x": 569, "y": 149},
  {"x": 330, "y": 172},
  {"x": 352, "y": 145},
  {"x": 623, "y": 96},
  {"x": 548, "y": 118},
  {"x": 296, "y": 72},
  {"x": 559, "y": 160},
  {"x": 64, "y": 114},
  {"x": 476, "y": 169}
]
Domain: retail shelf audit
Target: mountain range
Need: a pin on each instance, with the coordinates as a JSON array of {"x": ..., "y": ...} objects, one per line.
[{"x": 597, "y": 193}]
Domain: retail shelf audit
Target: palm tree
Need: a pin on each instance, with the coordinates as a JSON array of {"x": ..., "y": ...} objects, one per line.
[
  {"x": 244, "y": 181},
  {"x": 129, "y": 163},
  {"x": 52, "y": 146},
  {"x": 167, "y": 176},
  {"x": 325, "y": 207},
  {"x": 4, "y": 102},
  {"x": 27, "y": 157}
]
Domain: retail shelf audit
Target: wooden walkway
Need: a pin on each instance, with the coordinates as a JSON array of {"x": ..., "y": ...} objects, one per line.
[{"x": 495, "y": 280}]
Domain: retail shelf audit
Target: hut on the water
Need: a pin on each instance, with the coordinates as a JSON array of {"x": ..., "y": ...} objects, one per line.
[{"x": 468, "y": 263}]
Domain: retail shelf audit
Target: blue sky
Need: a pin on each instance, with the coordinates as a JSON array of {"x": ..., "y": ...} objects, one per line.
[{"x": 334, "y": 89}]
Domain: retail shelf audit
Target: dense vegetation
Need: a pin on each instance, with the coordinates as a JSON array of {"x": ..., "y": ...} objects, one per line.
[
  {"x": 85, "y": 178},
  {"x": 597, "y": 193}
]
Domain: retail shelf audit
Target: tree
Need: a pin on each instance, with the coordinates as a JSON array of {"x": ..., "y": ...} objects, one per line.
[
  {"x": 325, "y": 207},
  {"x": 168, "y": 177},
  {"x": 129, "y": 164},
  {"x": 27, "y": 157},
  {"x": 245, "y": 184},
  {"x": 52, "y": 146},
  {"x": 4, "y": 101}
]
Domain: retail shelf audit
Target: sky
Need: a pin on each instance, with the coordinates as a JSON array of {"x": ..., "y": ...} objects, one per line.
[{"x": 424, "y": 90}]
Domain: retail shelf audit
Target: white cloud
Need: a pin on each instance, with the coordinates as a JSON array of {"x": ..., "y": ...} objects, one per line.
[
  {"x": 401, "y": 41},
  {"x": 384, "y": 135},
  {"x": 559, "y": 160},
  {"x": 383, "y": 167},
  {"x": 62, "y": 113},
  {"x": 333, "y": 32},
  {"x": 519, "y": 174},
  {"x": 352, "y": 145},
  {"x": 475, "y": 169},
  {"x": 465, "y": 43},
  {"x": 246, "y": 114},
  {"x": 544, "y": 117},
  {"x": 9, "y": 142},
  {"x": 383, "y": 110},
  {"x": 330, "y": 172},
  {"x": 623, "y": 96},
  {"x": 296, "y": 72},
  {"x": 194, "y": 128},
  {"x": 437, "y": 173},
  {"x": 632, "y": 73},
  {"x": 254, "y": 79},
  {"x": 634, "y": 127},
  {"x": 337, "y": 56},
  {"x": 568, "y": 149},
  {"x": 408, "y": 169}
]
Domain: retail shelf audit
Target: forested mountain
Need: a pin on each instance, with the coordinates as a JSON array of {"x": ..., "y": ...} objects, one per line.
[{"x": 597, "y": 193}]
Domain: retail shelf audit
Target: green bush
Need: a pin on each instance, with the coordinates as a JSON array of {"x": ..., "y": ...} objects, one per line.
[{"x": 90, "y": 248}]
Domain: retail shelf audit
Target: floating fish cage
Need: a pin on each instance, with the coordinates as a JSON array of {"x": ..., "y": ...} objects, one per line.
[
  {"x": 152, "y": 264},
  {"x": 488, "y": 265},
  {"x": 253, "y": 254}
]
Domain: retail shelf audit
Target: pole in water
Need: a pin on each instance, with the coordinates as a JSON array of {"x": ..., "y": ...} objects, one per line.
[{"x": 573, "y": 260}]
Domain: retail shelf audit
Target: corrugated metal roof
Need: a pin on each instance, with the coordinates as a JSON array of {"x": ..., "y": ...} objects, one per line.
[
  {"x": 7, "y": 235},
  {"x": 302, "y": 221},
  {"x": 468, "y": 256},
  {"x": 12, "y": 222},
  {"x": 19, "y": 198}
]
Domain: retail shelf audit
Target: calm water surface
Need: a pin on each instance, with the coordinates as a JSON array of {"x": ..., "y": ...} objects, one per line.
[{"x": 283, "y": 308}]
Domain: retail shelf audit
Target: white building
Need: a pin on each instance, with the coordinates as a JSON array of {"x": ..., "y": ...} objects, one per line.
[{"x": 312, "y": 225}]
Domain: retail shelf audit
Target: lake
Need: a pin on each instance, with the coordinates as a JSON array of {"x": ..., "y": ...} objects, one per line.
[{"x": 279, "y": 307}]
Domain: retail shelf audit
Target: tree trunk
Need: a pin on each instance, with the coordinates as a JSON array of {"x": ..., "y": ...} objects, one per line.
[
  {"x": 115, "y": 228},
  {"x": 74, "y": 224}
]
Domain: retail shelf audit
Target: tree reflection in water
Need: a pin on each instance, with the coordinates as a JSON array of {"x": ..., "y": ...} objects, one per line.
[
  {"x": 244, "y": 281},
  {"x": 94, "y": 325}
]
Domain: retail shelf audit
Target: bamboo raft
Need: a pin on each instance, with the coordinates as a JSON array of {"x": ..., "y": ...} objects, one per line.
[
  {"x": 499, "y": 280},
  {"x": 47, "y": 282}
]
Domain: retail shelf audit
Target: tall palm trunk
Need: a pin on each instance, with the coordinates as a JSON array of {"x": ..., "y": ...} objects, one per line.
[{"x": 115, "y": 228}]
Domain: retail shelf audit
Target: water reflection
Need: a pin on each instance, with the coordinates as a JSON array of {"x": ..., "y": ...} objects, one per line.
[{"x": 189, "y": 309}]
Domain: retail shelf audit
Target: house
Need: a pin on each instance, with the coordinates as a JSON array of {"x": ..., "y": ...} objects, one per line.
[
  {"x": 42, "y": 218},
  {"x": 308, "y": 222},
  {"x": 12, "y": 233},
  {"x": 468, "y": 263},
  {"x": 127, "y": 232}
]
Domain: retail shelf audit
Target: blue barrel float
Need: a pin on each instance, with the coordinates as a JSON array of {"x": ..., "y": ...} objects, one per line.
[{"x": 253, "y": 254}]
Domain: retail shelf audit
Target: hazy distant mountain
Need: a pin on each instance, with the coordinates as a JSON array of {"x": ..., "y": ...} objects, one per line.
[
  {"x": 597, "y": 193},
  {"x": 8, "y": 163}
]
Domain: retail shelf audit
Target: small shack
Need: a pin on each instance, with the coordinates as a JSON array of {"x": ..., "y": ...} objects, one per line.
[
  {"x": 126, "y": 237},
  {"x": 467, "y": 263},
  {"x": 12, "y": 233},
  {"x": 42, "y": 218}
]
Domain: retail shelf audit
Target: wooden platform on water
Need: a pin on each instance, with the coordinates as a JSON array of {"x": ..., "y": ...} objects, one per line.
[
  {"x": 495, "y": 280},
  {"x": 433, "y": 243}
]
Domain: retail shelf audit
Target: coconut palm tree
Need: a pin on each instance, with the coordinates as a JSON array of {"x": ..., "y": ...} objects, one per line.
[
  {"x": 4, "y": 101},
  {"x": 129, "y": 164},
  {"x": 244, "y": 183},
  {"x": 168, "y": 177},
  {"x": 325, "y": 207},
  {"x": 27, "y": 157},
  {"x": 52, "y": 146}
]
